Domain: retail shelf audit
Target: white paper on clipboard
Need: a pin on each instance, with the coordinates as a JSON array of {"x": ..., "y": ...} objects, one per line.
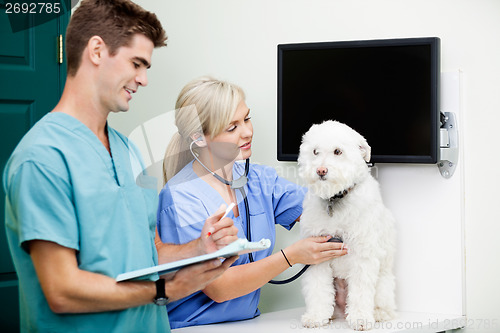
[{"x": 238, "y": 247}]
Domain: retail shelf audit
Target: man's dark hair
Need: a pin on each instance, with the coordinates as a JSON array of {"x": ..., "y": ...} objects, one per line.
[{"x": 115, "y": 21}]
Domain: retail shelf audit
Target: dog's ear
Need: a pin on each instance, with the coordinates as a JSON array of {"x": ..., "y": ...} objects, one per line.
[{"x": 365, "y": 149}]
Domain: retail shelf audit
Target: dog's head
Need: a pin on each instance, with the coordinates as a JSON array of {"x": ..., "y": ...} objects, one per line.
[{"x": 333, "y": 158}]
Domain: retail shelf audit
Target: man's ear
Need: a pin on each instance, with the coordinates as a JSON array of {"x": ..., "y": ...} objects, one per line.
[
  {"x": 96, "y": 49},
  {"x": 199, "y": 139}
]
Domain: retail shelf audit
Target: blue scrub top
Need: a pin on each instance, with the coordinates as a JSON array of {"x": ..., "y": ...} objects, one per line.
[
  {"x": 63, "y": 186},
  {"x": 187, "y": 201}
]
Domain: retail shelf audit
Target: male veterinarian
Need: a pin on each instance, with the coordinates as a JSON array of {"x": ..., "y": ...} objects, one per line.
[{"x": 75, "y": 217}]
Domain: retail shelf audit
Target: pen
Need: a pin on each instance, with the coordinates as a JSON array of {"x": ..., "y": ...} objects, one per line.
[{"x": 228, "y": 209}]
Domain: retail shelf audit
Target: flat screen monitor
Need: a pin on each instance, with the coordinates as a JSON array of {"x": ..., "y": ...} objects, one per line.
[{"x": 387, "y": 90}]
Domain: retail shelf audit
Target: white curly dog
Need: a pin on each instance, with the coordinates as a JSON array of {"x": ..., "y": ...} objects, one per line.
[{"x": 344, "y": 200}]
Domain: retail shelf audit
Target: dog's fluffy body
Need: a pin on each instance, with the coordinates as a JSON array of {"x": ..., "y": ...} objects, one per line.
[{"x": 332, "y": 161}]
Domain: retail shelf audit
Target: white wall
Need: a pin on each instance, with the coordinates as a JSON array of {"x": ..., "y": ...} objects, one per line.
[{"x": 236, "y": 40}]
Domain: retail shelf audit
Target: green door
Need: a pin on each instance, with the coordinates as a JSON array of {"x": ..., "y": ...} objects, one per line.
[{"x": 31, "y": 82}]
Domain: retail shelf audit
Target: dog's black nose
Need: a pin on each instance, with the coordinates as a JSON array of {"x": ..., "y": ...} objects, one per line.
[{"x": 321, "y": 171}]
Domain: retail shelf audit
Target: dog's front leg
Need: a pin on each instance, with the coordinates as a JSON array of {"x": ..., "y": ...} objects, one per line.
[
  {"x": 385, "y": 303},
  {"x": 319, "y": 295},
  {"x": 362, "y": 281}
]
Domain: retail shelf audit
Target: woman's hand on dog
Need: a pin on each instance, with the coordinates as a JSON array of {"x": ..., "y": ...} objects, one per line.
[{"x": 314, "y": 250}]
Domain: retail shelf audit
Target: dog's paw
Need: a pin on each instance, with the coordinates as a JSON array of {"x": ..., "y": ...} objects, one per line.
[
  {"x": 312, "y": 320},
  {"x": 360, "y": 322},
  {"x": 384, "y": 314}
]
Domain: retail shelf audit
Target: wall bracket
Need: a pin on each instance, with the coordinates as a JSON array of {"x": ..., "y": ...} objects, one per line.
[{"x": 449, "y": 145}]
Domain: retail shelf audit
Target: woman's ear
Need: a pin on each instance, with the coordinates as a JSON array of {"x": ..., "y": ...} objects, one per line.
[{"x": 199, "y": 139}]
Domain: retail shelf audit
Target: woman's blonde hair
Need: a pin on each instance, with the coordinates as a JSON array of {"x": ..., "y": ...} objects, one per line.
[{"x": 204, "y": 106}]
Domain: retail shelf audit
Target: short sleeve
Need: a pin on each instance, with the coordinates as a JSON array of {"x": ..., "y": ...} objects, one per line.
[
  {"x": 43, "y": 201},
  {"x": 287, "y": 199}
]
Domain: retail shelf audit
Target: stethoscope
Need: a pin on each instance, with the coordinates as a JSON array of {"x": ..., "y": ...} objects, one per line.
[{"x": 239, "y": 184}]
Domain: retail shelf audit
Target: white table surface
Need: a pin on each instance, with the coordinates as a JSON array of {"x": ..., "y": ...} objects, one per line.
[{"x": 287, "y": 321}]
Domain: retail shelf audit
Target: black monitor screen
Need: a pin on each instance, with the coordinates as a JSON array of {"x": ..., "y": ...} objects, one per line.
[{"x": 387, "y": 90}]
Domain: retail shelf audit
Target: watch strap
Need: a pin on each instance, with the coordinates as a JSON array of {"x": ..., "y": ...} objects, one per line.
[
  {"x": 160, "y": 288},
  {"x": 160, "y": 298}
]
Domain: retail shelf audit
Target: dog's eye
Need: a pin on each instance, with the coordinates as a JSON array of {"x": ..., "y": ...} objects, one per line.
[
  {"x": 337, "y": 152},
  {"x": 315, "y": 152}
]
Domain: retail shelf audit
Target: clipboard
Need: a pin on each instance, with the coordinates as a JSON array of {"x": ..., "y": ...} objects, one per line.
[{"x": 238, "y": 247}]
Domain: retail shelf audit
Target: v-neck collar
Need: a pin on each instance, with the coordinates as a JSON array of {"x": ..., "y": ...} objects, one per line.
[
  {"x": 209, "y": 191},
  {"x": 80, "y": 129},
  {"x": 193, "y": 175}
]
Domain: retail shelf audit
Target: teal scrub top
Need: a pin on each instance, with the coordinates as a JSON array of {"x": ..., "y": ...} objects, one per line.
[{"x": 63, "y": 186}]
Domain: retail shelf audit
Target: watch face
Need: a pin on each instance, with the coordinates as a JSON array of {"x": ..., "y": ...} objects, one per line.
[{"x": 161, "y": 301}]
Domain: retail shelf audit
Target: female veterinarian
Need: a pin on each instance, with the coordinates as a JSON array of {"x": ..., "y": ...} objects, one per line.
[{"x": 204, "y": 167}]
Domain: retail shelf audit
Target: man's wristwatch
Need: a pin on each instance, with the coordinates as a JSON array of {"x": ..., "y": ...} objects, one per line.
[{"x": 161, "y": 298}]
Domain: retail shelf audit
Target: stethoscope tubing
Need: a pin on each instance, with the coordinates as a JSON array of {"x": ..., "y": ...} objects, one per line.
[{"x": 241, "y": 187}]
